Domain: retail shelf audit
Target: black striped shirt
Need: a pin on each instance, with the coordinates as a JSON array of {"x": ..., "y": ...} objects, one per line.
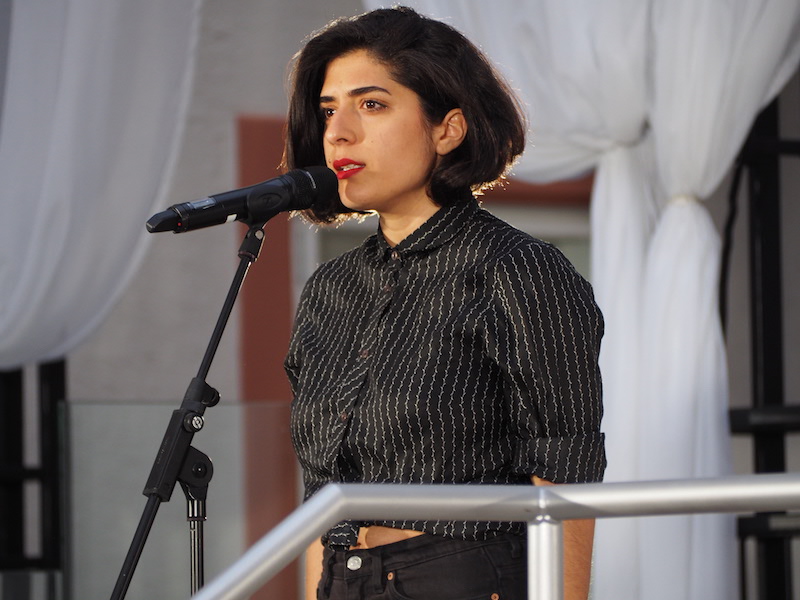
[{"x": 465, "y": 354}]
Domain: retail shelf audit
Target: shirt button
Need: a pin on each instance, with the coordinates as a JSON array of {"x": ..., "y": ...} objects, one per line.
[
  {"x": 364, "y": 353},
  {"x": 343, "y": 416},
  {"x": 354, "y": 563},
  {"x": 388, "y": 288},
  {"x": 395, "y": 255}
]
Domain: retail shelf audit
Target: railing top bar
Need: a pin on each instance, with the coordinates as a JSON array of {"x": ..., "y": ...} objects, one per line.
[
  {"x": 523, "y": 503},
  {"x": 743, "y": 493}
]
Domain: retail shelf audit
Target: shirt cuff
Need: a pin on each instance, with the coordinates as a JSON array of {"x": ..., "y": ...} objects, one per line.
[{"x": 570, "y": 459}]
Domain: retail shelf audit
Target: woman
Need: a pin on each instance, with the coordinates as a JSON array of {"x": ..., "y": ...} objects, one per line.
[{"x": 449, "y": 347}]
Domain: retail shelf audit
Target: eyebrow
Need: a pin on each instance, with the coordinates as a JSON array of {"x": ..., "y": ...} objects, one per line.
[{"x": 368, "y": 89}]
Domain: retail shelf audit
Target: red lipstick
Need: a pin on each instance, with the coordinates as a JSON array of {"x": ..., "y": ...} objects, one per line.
[{"x": 347, "y": 167}]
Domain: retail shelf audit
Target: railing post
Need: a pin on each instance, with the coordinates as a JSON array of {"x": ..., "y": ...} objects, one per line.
[{"x": 545, "y": 559}]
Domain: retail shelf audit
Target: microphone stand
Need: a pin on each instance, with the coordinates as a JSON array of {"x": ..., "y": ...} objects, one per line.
[{"x": 177, "y": 460}]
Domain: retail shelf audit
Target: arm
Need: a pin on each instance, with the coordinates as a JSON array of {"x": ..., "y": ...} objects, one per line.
[
  {"x": 313, "y": 569},
  {"x": 578, "y": 540},
  {"x": 552, "y": 329},
  {"x": 549, "y": 331}
]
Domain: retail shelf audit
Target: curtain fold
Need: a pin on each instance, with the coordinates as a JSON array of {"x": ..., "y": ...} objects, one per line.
[
  {"x": 95, "y": 101},
  {"x": 657, "y": 97},
  {"x": 683, "y": 404},
  {"x": 714, "y": 65}
]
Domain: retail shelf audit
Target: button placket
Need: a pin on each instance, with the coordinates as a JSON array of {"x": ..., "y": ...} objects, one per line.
[
  {"x": 365, "y": 344},
  {"x": 389, "y": 281}
]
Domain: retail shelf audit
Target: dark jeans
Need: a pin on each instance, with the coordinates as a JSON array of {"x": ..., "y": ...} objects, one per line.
[{"x": 427, "y": 567}]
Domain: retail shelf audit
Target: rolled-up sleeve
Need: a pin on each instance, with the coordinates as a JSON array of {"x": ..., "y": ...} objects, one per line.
[{"x": 547, "y": 344}]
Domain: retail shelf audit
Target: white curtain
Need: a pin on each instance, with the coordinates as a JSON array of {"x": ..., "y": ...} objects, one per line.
[
  {"x": 658, "y": 97},
  {"x": 95, "y": 99}
]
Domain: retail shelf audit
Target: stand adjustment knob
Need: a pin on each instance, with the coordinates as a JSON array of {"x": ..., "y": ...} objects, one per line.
[{"x": 193, "y": 422}]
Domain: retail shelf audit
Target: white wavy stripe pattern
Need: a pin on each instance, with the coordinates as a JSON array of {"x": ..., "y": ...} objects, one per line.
[
  {"x": 94, "y": 107},
  {"x": 658, "y": 97}
]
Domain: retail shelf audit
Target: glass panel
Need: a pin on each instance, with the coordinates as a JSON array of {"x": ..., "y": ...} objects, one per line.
[{"x": 112, "y": 447}]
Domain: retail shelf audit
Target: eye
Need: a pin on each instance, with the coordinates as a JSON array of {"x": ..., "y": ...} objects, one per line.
[
  {"x": 373, "y": 105},
  {"x": 326, "y": 112}
]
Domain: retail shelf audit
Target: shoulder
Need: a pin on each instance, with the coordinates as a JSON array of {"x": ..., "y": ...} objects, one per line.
[
  {"x": 508, "y": 246},
  {"x": 532, "y": 270}
]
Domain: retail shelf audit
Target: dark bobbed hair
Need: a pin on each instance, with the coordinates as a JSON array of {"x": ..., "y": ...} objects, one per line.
[{"x": 443, "y": 68}]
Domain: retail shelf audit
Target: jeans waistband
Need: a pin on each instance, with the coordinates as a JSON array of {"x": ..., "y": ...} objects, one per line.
[{"x": 373, "y": 562}]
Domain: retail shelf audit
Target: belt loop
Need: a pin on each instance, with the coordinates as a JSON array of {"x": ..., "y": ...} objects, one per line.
[
  {"x": 327, "y": 572},
  {"x": 378, "y": 577}
]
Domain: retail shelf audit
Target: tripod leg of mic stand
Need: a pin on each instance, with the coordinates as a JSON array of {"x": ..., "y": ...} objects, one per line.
[
  {"x": 196, "y": 516},
  {"x": 194, "y": 476}
]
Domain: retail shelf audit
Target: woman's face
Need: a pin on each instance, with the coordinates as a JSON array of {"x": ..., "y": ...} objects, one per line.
[{"x": 376, "y": 137}]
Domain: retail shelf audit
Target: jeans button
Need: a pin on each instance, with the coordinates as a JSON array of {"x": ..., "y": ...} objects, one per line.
[{"x": 354, "y": 563}]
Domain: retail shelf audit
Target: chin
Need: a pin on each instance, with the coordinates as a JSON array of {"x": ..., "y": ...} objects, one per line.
[{"x": 354, "y": 204}]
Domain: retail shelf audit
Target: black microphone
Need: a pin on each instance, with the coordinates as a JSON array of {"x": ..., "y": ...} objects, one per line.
[{"x": 296, "y": 190}]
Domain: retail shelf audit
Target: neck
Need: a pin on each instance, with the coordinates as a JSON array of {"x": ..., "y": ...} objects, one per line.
[{"x": 398, "y": 226}]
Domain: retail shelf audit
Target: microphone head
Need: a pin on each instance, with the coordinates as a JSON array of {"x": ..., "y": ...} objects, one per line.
[{"x": 325, "y": 183}]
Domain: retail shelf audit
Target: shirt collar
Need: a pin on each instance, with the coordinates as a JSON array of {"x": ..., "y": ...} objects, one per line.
[{"x": 433, "y": 233}]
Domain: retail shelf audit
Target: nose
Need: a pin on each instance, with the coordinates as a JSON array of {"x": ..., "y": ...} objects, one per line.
[{"x": 340, "y": 128}]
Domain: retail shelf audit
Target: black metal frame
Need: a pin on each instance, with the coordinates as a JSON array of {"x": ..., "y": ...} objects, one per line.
[
  {"x": 14, "y": 475},
  {"x": 768, "y": 420}
]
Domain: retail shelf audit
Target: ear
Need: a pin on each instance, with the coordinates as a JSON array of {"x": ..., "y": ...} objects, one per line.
[{"x": 448, "y": 135}]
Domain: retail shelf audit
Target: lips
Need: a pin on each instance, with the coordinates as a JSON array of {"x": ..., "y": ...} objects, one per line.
[{"x": 346, "y": 167}]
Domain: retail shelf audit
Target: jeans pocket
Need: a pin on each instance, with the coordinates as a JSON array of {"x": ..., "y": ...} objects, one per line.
[{"x": 467, "y": 575}]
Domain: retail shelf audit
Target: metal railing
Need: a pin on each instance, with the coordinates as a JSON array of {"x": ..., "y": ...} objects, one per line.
[{"x": 542, "y": 507}]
